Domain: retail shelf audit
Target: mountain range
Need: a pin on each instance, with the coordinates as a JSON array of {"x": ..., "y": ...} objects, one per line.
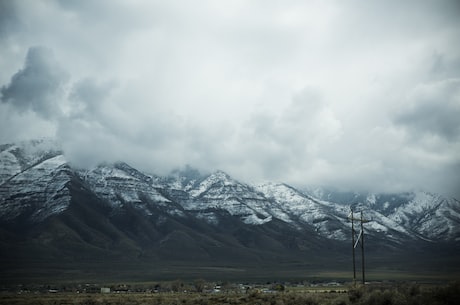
[{"x": 54, "y": 216}]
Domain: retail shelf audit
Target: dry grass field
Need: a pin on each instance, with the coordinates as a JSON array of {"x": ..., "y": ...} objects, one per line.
[{"x": 375, "y": 294}]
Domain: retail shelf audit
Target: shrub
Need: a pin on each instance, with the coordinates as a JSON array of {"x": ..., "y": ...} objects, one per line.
[
  {"x": 355, "y": 294},
  {"x": 449, "y": 295}
]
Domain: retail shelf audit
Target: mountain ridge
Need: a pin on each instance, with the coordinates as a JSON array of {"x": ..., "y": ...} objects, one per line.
[{"x": 116, "y": 211}]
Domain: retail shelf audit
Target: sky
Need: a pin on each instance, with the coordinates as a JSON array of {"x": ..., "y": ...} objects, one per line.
[{"x": 359, "y": 95}]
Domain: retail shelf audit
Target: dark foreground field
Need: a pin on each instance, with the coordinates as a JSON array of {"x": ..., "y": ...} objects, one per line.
[
  {"x": 385, "y": 268},
  {"x": 375, "y": 294}
]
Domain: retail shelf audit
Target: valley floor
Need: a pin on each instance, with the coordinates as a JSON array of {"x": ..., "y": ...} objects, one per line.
[{"x": 425, "y": 271}]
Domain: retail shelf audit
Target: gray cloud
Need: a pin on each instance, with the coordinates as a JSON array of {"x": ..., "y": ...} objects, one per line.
[
  {"x": 444, "y": 66},
  {"x": 433, "y": 110},
  {"x": 37, "y": 86},
  {"x": 91, "y": 96},
  {"x": 9, "y": 21},
  {"x": 358, "y": 95}
]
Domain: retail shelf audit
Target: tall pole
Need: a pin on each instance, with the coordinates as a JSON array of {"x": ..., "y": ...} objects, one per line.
[
  {"x": 362, "y": 245},
  {"x": 353, "y": 246},
  {"x": 355, "y": 241}
]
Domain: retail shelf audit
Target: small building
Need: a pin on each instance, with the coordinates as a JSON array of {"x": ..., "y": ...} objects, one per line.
[{"x": 105, "y": 290}]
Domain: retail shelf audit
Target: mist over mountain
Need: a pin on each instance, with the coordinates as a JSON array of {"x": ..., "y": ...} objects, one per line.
[{"x": 52, "y": 213}]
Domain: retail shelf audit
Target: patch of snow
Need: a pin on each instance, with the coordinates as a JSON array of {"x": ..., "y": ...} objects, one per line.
[
  {"x": 40, "y": 188},
  {"x": 386, "y": 205},
  {"x": 176, "y": 212},
  {"x": 371, "y": 199},
  {"x": 117, "y": 186},
  {"x": 254, "y": 220},
  {"x": 209, "y": 217},
  {"x": 375, "y": 226}
]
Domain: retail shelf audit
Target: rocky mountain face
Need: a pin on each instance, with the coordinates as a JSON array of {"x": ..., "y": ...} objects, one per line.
[
  {"x": 48, "y": 209},
  {"x": 422, "y": 215}
]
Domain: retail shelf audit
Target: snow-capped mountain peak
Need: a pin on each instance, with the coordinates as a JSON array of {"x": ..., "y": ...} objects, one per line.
[{"x": 218, "y": 178}]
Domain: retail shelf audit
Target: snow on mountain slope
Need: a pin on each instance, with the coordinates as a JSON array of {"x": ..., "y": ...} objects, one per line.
[
  {"x": 328, "y": 220},
  {"x": 220, "y": 191},
  {"x": 429, "y": 215},
  {"x": 416, "y": 214},
  {"x": 18, "y": 157},
  {"x": 119, "y": 184},
  {"x": 34, "y": 177},
  {"x": 218, "y": 183},
  {"x": 331, "y": 219},
  {"x": 36, "y": 192},
  {"x": 293, "y": 203}
]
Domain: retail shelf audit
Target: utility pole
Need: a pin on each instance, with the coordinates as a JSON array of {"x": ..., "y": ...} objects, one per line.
[
  {"x": 355, "y": 240},
  {"x": 353, "y": 247},
  {"x": 362, "y": 247}
]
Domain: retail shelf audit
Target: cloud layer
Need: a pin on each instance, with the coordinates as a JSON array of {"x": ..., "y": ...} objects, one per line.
[{"x": 362, "y": 96}]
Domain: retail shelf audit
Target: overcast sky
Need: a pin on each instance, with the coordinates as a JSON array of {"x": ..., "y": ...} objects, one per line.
[{"x": 361, "y": 95}]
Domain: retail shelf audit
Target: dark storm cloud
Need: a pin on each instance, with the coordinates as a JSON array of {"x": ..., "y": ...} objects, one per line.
[
  {"x": 433, "y": 109},
  {"x": 38, "y": 85}
]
